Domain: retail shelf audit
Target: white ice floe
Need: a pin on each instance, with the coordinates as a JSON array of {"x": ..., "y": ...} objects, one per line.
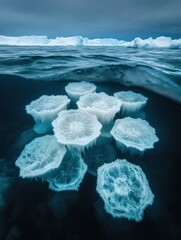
[
  {"x": 40, "y": 156},
  {"x": 124, "y": 189},
  {"x": 133, "y": 135},
  {"x": 76, "y": 129},
  {"x": 45, "y": 109},
  {"x": 131, "y": 102},
  {"x": 102, "y": 105},
  {"x": 77, "y": 89}
]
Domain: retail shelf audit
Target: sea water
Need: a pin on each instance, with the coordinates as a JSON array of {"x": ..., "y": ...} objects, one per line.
[{"x": 28, "y": 209}]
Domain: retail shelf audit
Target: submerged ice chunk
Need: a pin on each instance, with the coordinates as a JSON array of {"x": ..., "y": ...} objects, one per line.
[
  {"x": 76, "y": 129},
  {"x": 70, "y": 173},
  {"x": 77, "y": 89},
  {"x": 102, "y": 105},
  {"x": 103, "y": 152},
  {"x": 45, "y": 109},
  {"x": 40, "y": 156},
  {"x": 124, "y": 189},
  {"x": 134, "y": 135},
  {"x": 131, "y": 102}
]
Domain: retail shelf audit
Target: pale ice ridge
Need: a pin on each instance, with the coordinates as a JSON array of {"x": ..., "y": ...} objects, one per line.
[{"x": 159, "y": 42}]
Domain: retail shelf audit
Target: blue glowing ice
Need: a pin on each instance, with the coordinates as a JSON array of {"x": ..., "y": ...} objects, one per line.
[
  {"x": 124, "y": 189},
  {"x": 40, "y": 156},
  {"x": 70, "y": 173}
]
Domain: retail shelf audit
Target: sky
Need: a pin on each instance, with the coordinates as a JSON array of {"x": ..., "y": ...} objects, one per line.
[{"x": 122, "y": 19}]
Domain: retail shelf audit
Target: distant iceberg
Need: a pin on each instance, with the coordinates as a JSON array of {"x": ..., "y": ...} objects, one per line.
[{"x": 159, "y": 42}]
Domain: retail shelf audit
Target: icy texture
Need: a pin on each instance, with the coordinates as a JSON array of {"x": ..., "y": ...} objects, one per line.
[
  {"x": 70, "y": 173},
  {"x": 40, "y": 156},
  {"x": 133, "y": 134},
  {"x": 45, "y": 109},
  {"x": 97, "y": 155},
  {"x": 159, "y": 42},
  {"x": 131, "y": 102},
  {"x": 124, "y": 189},
  {"x": 76, "y": 129},
  {"x": 102, "y": 105},
  {"x": 77, "y": 89}
]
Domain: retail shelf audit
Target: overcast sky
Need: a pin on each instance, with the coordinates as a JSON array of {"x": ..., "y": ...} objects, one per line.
[{"x": 123, "y": 19}]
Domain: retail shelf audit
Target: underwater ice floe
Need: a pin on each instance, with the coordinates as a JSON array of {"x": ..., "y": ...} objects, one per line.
[
  {"x": 40, "y": 156},
  {"x": 100, "y": 104},
  {"x": 134, "y": 135},
  {"x": 131, "y": 102},
  {"x": 124, "y": 189},
  {"x": 45, "y": 109},
  {"x": 76, "y": 89},
  {"x": 103, "y": 152},
  {"x": 76, "y": 129},
  {"x": 70, "y": 173}
]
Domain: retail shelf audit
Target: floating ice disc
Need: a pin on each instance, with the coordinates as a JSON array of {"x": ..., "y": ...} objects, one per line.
[
  {"x": 102, "y": 105},
  {"x": 40, "y": 156},
  {"x": 77, "y": 89},
  {"x": 76, "y": 129},
  {"x": 131, "y": 102},
  {"x": 70, "y": 173},
  {"x": 133, "y": 134},
  {"x": 45, "y": 109},
  {"x": 124, "y": 189}
]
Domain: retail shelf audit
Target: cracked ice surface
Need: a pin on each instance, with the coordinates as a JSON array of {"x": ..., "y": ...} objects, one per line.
[
  {"x": 124, "y": 189},
  {"x": 70, "y": 173},
  {"x": 40, "y": 156}
]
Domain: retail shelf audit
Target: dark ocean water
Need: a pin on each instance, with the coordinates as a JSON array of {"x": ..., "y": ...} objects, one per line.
[{"x": 28, "y": 209}]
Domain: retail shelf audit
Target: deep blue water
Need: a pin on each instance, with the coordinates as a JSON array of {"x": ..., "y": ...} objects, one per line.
[{"x": 28, "y": 209}]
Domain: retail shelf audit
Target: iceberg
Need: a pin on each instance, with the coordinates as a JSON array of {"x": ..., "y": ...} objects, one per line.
[
  {"x": 40, "y": 156},
  {"x": 66, "y": 41},
  {"x": 124, "y": 189},
  {"x": 76, "y": 129},
  {"x": 45, "y": 109},
  {"x": 133, "y": 135},
  {"x": 24, "y": 40},
  {"x": 159, "y": 42}
]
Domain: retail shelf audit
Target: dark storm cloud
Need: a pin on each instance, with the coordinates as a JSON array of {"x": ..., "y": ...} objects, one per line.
[{"x": 92, "y": 18}]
